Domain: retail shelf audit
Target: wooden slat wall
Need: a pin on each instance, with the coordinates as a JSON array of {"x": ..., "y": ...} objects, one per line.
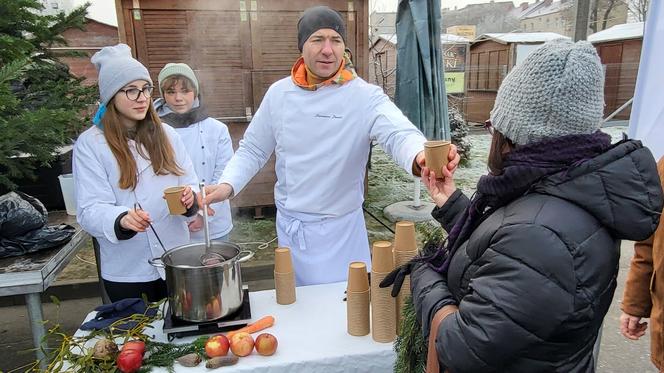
[
  {"x": 631, "y": 57},
  {"x": 489, "y": 62},
  {"x": 260, "y": 191}
]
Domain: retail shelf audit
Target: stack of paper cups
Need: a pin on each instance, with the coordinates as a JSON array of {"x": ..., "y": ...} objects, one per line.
[
  {"x": 405, "y": 248},
  {"x": 383, "y": 306},
  {"x": 284, "y": 277},
  {"x": 357, "y": 299}
]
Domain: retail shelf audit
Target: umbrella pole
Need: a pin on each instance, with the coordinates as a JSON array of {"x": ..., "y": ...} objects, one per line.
[{"x": 416, "y": 192}]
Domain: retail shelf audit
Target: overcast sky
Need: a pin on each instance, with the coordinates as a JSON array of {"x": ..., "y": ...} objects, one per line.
[{"x": 104, "y": 10}]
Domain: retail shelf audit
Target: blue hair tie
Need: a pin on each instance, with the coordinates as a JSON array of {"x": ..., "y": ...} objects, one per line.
[{"x": 98, "y": 115}]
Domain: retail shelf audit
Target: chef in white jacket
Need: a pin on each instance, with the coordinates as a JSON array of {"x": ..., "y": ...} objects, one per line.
[
  {"x": 121, "y": 166},
  {"x": 207, "y": 140},
  {"x": 320, "y": 122}
]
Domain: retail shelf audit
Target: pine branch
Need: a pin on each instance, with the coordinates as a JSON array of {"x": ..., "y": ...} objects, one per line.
[
  {"x": 410, "y": 345},
  {"x": 11, "y": 70}
]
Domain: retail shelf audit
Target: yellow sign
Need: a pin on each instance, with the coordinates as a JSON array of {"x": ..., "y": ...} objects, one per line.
[
  {"x": 467, "y": 31},
  {"x": 454, "y": 82}
]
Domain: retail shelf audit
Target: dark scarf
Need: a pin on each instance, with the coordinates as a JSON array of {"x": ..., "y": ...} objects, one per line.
[
  {"x": 522, "y": 168},
  {"x": 194, "y": 115}
]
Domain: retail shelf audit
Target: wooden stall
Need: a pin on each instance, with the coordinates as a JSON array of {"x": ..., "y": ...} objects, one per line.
[
  {"x": 619, "y": 48},
  {"x": 238, "y": 48}
]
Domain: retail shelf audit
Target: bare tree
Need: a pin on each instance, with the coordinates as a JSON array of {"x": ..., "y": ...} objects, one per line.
[
  {"x": 609, "y": 5},
  {"x": 638, "y": 9},
  {"x": 601, "y": 13}
]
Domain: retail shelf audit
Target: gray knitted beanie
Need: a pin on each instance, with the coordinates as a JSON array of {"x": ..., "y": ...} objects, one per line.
[
  {"x": 116, "y": 69},
  {"x": 557, "y": 90},
  {"x": 173, "y": 69}
]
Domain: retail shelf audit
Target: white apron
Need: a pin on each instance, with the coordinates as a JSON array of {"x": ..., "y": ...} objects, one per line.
[{"x": 323, "y": 247}]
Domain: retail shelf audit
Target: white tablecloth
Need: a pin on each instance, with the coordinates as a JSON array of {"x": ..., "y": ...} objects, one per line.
[{"x": 311, "y": 333}]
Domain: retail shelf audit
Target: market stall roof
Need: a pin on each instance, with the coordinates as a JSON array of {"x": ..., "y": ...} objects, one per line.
[
  {"x": 520, "y": 37},
  {"x": 618, "y": 32},
  {"x": 444, "y": 38}
]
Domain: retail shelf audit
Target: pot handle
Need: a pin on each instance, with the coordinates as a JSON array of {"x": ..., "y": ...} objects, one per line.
[
  {"x": 156, "y": 262},
  {"x": 248, "y": 255}
]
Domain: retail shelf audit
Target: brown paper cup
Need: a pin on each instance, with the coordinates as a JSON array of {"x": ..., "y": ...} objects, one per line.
[
  {"x": 284, "y": 284},
  {"x": 357, "y": 312},
  {"x": 174, "y": 200},
  {"x": 383, "y": 311},
  {"x": 400, "y": 258},
  {"x": 358, "y": 279},
  {"x": 282, "y": 260},
  {"x": 382, "y": 259},
  {"x": 435, "y": 155},
  {"x": 404, "y": 237}
]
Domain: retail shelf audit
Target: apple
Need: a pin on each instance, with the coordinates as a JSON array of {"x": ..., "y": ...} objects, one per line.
[
  {"x": 129, "y": 361},
  {"x": 242, "y": 344},
  {"x": 217, "y": 346},
  {"x": 136, "y": 345},
  {"x": 266, "y": 344}
]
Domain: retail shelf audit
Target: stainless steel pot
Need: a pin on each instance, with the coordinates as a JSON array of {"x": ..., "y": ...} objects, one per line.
[{"x": 198, "y": 292}]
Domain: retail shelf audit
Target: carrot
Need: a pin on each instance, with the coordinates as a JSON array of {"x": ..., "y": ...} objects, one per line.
[{"x": 257, "y": 326}]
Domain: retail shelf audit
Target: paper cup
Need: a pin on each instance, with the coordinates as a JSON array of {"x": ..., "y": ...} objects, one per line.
[
  {"x": 284, "y": 285},
  {"x": 382, "y": 259},
  {"x": 383, "y": 311},
  {"x": 358, "y": 278},
  {"x": 174, "y": 200},
  {"x": 435, "y": 155},
  {"x": 404, "y": 237},
  {"x": 283, "y": 263},
  {"x": 400, "y": 258},
  {"x": 357, "y": 312}
]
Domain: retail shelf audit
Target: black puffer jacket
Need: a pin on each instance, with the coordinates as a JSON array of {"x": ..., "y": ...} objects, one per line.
[{"x": 535, "y": 279}]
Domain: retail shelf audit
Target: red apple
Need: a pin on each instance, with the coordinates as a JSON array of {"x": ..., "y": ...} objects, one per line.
[
  {"x": 217, "y": 346},
  {"x": 266, "y": 344},
  {"x": 242, "y": 344},
  {"x": 136, "y": 345},
  {"x": 129, "y": 361}
]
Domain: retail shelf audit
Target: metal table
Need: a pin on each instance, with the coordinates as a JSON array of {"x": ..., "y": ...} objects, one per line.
[{"x": 32, "y": 274}]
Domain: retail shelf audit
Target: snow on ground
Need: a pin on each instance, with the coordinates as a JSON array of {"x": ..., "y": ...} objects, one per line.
[{"x": 389, "y": 184}]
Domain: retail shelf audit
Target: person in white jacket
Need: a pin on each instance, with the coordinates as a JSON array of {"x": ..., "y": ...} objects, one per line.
[
  {"x": 121, "y": 165},
  {"x": 207, "y": 139},
  {"x": 320, "y": 123}
]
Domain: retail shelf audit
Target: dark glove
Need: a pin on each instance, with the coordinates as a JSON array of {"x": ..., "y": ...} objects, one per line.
[
  {"x": 107, "y": 314},
  {"x": 430, "y": 294},
  {"x": 398, "y": 275}
]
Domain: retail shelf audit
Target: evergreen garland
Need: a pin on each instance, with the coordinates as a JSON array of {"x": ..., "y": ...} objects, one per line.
[{"x": 410, "y": 346}]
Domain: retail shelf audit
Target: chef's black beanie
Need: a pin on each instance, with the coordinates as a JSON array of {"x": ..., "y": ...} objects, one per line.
[{"x": 316, "y": 18}]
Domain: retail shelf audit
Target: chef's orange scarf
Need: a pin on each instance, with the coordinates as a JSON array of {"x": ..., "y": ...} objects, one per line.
[{"x": 304, "y": 78}]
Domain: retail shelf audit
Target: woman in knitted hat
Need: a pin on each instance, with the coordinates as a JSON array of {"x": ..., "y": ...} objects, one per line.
[
  {"x": 121, "y": 166},
  {"x": 529, "y": 266},
  {"x": 207, "y": 139}
]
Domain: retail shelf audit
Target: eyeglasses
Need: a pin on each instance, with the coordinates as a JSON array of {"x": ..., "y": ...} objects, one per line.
[
  {"x": 134, "y": 93},
  {"x": 488, "y": 126}
]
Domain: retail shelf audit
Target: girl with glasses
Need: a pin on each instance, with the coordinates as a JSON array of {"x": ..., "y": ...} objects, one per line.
[{"x": 126, "y": 159}]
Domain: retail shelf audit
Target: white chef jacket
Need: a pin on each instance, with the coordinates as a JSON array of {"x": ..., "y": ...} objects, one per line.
[
  {"x": 321, "y": 140},
  {"x": 100, "y": 200}
]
